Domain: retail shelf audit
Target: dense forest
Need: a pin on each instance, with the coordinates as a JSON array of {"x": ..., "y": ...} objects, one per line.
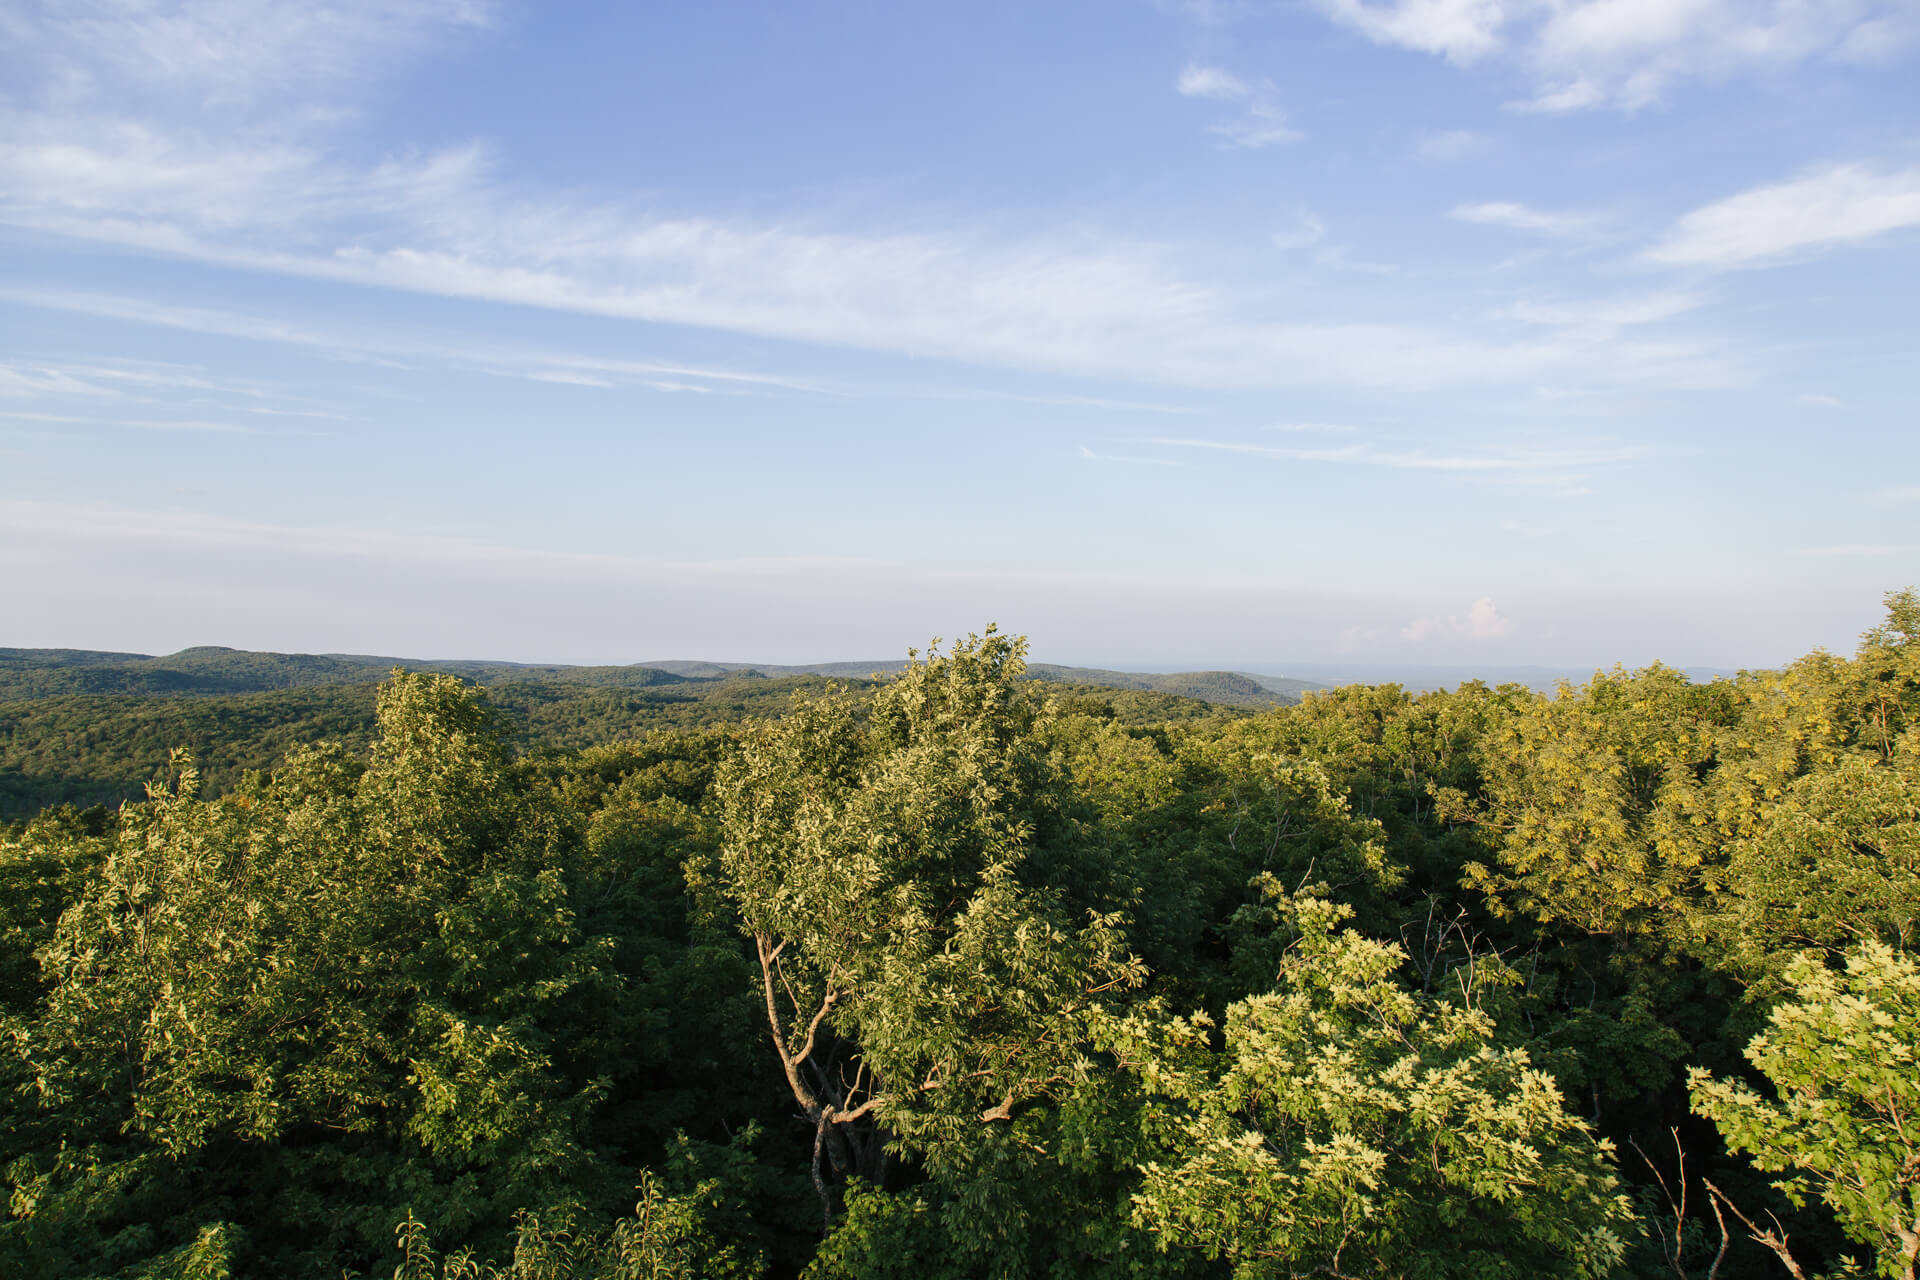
[
  {"x": 87, "y": 728},
  {"x": 958, "y": 973}
]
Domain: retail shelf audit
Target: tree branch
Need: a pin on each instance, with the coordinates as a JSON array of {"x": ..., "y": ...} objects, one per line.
[
  {"x": 1776, "y": 1239},
  {"x": 789, "y": 1064},
  {"x": 813, "y": 1027}
]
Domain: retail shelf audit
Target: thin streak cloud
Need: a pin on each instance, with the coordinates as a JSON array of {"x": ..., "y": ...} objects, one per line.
[
  {"x": 1089, "y": 454},
  {"x": 1839, "y": 205},
  {"x": 1561, "y": 470},
  {"x": 105, "y": 523},
  {"x": 1520, "y": 217}
]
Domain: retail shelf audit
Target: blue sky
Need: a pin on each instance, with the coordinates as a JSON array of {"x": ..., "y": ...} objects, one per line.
[{"x": 1395, "y": 331}]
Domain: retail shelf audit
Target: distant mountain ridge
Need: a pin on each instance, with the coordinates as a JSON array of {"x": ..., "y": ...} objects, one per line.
[{"x": 213, "y": 669}]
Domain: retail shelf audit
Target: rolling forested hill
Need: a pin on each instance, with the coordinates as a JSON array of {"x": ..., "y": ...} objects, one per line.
[
  {"x": 1223, "y": 688},
  {"x": 37, "y": 673},
  {"x": 40, "y": 673},
  {"x": 86, "y": 727}
]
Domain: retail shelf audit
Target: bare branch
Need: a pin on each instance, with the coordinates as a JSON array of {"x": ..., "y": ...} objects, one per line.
[
  {"x": 1776, "y": 1239},
  {"x": 1678, "y": 1204},
  {"x": 1714, "y": 1271}
]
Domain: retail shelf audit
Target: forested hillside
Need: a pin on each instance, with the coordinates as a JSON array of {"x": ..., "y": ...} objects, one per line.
[
  {"x": 85, "y": 728},
  {"x": 961, "y": 973},
  {"x": 41, "y": 673}
]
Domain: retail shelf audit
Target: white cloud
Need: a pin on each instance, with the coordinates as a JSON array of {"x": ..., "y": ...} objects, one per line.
[
  {"x": 1843, "y": 204},
  {"x": 1520, "y": 217},
  {"x": 471, "y": 355},
  {"x": 190, "y": 426},
  {"x": 1262, "y": 126},
  {"x": 1337, "y": 258},
  {"x": 1560, "y": 470},
  {"x": 1485, "y": 621},
  {"x": 104, "y": 523},
  {"x": 1898, "y": 494},
  {"x": 1068, "y": 402},
  {"x": 1210, "y": 82},
  {"x": 1575, "y": 96},
  {"x": 1482, "y": 621},
  {"x": 1419, "y": 629},
  {"x": 1605, "y": 314},
  {"x": 1462, "y": 31},
  {"x": 1820, "y": 401},
  {"x": 28, "y": 415},
  {"x": 38, "y": 380},
  {"x": 279, "y": 198},
  {"x": 142, "y": 377},
  {"x": 1091, "y": 456},
  {"x": 1629, "y": 53},
  {"x": 1261, "y": 122},
  {"x": 1872, "y": 550},
  {"x": 1070, "y": 304},
  {"x": 203, "y": 54}
]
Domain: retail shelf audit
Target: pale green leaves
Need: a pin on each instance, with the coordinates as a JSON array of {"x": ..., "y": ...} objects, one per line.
[
  {"x": 1352, "y": 1127},
  {"x": 1843, "y": 1054}
]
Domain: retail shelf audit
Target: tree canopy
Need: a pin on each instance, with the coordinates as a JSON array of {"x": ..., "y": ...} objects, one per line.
[{"x": 959, "y": 973}]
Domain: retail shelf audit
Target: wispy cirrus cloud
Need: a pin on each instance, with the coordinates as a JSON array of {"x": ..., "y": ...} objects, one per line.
[
  {"x": 188, "y": 426},
  {"x": 1825, "y": 209},
  {"x": 278, "y": 195},
  {"x": 1629, "y": 54},
  {"x": 147, "y": 395},
  {"x": 22, "y": 379},
  {"x": 1072, "y": 305},
  {"x": 203, "y": 54},
  {"x": 1261, "y": 122},
  {"x": 1563, "y": 470},
  {"x": 1520, "y": 217},
  {"x": 108, "y": 523},
  {"x": 1606, "y": 315},
  {"x": 123, "y": 378},
  {"x": 467, "y": 354},
  {"x": 1308, "y": 231},
  {"x": 1091, "y": 456},
  {"x": 1851, "y": 550}
]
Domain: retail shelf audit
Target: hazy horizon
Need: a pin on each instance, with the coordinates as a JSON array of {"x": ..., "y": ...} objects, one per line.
[{"x": 1334, "y": 671}]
